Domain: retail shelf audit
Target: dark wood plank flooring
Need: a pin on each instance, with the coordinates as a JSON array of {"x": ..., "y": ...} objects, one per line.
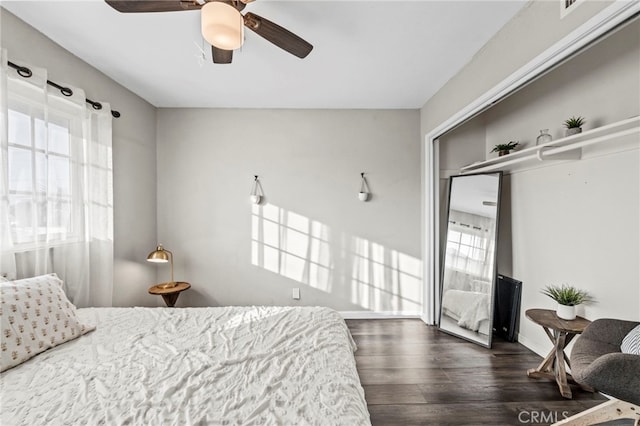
[{"x": 413, "y": 374}]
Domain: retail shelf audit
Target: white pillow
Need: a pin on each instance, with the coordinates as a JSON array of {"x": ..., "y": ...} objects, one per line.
[
  {"x": 631, "y": 342},
  {"x": 36, "y": 315}
]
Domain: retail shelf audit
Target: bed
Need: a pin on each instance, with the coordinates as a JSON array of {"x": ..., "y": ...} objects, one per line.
[
  {"x": 470, "y": 309},
  {"x": 209, "y": 366}
]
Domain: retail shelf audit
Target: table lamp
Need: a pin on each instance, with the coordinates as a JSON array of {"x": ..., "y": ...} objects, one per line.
[{"x": 161, "y": 255}]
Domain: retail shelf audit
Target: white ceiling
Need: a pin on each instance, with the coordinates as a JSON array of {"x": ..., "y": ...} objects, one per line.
[
  {"x": 469, "y": 193},
  {"x": 367, "y": 54}
]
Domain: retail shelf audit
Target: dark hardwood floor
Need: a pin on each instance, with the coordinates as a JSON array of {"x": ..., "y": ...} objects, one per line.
[{"x": 413, "y": 374}]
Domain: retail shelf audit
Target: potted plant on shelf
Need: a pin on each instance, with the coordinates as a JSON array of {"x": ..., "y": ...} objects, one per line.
[
  {"x": 568, "y": 297},
  {"x": 505, "y": 148},
  {"x": 574, "y": 125}
]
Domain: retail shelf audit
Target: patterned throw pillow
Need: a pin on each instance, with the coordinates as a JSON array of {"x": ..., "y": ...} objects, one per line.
[
  {"x": 631, "y": 342},
  {"x": 36, "y": 315}
]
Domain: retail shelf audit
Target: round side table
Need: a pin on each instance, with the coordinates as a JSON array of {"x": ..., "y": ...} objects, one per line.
[
  {"x": 169, "y": 293},
  {"x": 560, "y": 332}
]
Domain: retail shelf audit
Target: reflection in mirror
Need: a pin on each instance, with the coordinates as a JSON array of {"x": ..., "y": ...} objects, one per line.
[{"x": 469, "y": 267}]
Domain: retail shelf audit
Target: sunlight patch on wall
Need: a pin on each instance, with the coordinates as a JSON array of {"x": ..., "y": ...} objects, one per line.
[
  {"x": 291, "y": 245},
  {"x": 366, "y": 273},
  {"x": 384, "y": 279}
]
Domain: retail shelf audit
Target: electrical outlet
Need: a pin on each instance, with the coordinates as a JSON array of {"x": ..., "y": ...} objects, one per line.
[{"x": 296, "y": 293}]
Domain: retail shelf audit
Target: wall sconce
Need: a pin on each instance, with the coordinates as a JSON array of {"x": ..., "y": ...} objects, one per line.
[
  {"x": 161, "y": 255},
  {"x": 364, "y": 193},
  {"x": 256, "y": 191}
]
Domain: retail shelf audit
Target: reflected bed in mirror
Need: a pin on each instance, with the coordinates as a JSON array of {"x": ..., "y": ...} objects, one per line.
[{"x": 469, "y": 266}]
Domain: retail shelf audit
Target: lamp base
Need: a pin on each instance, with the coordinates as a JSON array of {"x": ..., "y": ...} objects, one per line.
[{"x": 167, "y": 285}]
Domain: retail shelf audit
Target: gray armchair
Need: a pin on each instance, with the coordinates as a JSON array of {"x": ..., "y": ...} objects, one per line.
[{"x": 596, "y": 361}]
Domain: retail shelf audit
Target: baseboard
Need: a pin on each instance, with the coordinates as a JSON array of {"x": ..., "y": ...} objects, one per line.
[
  {"x": 379, "y": 314},
  {"x": 535, "y": 347},
  {"x": 425, "y": 319}
]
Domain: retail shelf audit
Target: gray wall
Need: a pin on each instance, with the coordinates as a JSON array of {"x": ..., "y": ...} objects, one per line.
[
  {"x": 601, "y": 84},
  {"x": 134, "y": 154},
  {"x": 570, "y": 222},
  {"x": 535, "y": 28},
  {"x": 311, "y": 232}
]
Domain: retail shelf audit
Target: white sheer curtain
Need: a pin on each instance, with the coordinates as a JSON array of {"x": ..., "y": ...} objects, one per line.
[
  {"x": 56, "y": 209},
  {"x": 470, "y": 244}
]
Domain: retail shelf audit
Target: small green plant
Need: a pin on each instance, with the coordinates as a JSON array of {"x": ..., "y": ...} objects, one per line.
[
  {"x": 505, "y": 146},
  {"x": 566, "y": 295},
  {"x": 574, "y": 122}
]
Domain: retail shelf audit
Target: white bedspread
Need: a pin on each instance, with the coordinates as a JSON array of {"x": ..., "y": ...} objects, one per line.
[
  {"x": 205, "y": 366},
  {"x": 470, "y": 308}
]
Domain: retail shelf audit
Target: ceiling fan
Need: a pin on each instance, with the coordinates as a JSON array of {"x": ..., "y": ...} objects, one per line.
[{"x": 222, "y": 24}]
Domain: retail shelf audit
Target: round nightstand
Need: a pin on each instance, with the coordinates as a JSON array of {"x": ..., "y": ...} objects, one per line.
[
  {"x": 560, "y": 332},
  {"x": 169, "y": 293}
]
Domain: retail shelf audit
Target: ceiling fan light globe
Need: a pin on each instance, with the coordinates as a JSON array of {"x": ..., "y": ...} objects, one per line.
[{"x": 222, "y": 25}]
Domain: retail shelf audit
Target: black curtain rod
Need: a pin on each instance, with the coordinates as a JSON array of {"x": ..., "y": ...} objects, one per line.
[{"x": 26, "y": 73}]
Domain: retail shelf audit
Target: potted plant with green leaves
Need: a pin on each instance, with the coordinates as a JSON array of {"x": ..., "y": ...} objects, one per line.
[
  {"x": 505, "y": 148},
  {"x": 567, "y": 297},
  {"x": 574, "y": 125}
]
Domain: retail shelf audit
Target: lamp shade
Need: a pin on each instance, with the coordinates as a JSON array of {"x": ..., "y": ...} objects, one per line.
[
  {"x": 161, "y": 255},
  {"x": 222, "y": 25}
]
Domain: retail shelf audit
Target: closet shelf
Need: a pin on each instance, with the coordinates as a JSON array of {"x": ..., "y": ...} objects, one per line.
[{"x": 569, "y": 148}]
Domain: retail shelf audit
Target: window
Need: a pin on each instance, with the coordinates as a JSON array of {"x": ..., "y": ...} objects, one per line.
[
  {"x": 468, "y": 251},
  {"x": 41, "y": 173},
  {"x": 56, "y": 186}
]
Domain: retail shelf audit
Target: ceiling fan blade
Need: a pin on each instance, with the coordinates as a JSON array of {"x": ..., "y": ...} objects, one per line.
[
  {"x": 221, "y": 56},
  {"x": 141, "y": 6},
  {"x": 277, "y": 35}
]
